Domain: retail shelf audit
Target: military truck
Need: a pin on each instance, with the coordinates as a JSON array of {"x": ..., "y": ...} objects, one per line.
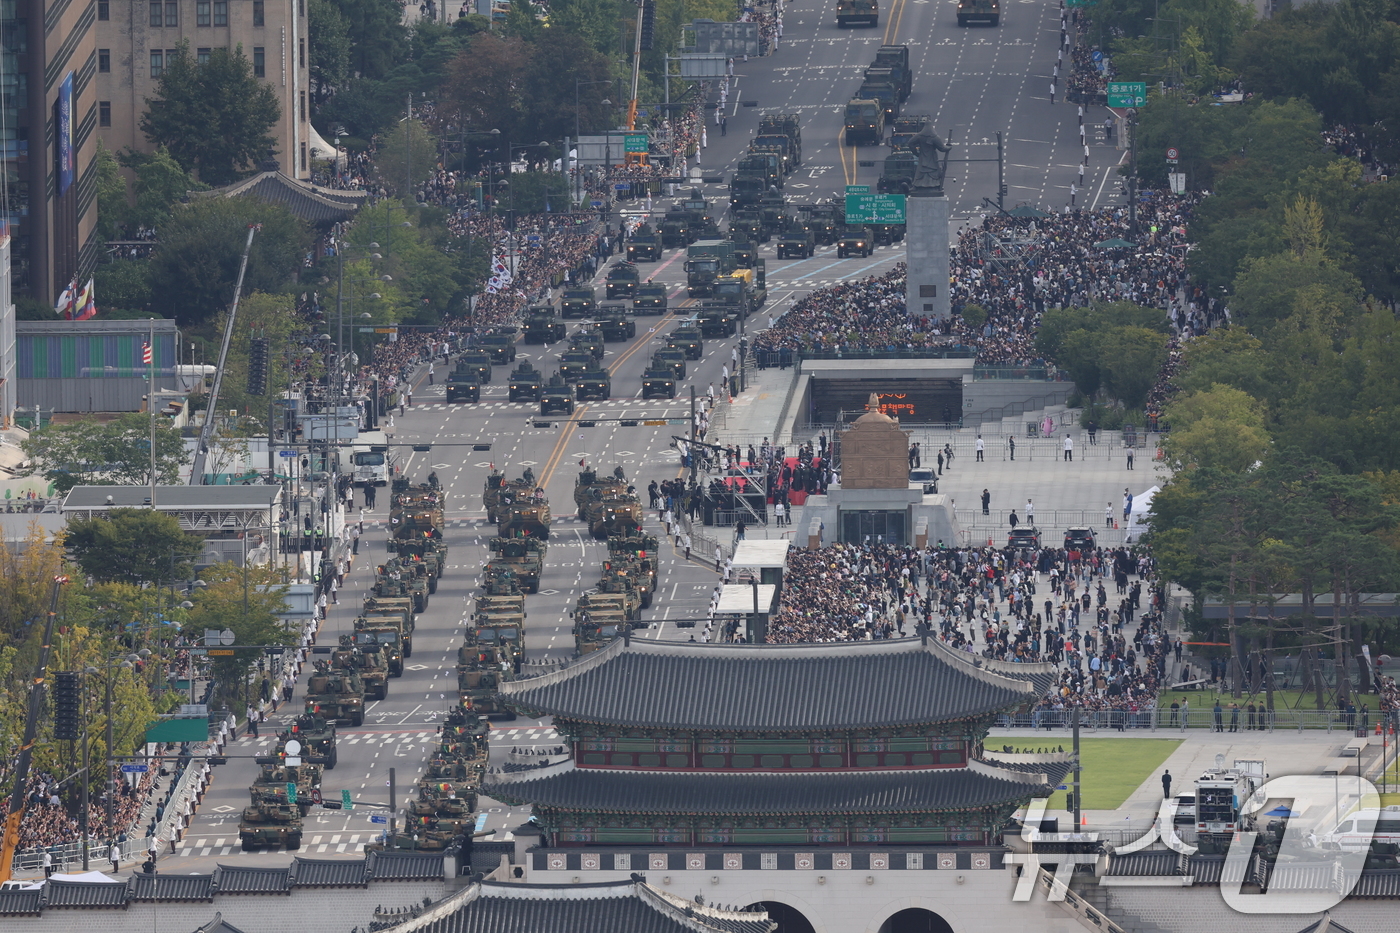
[
  {"x": 614, "y": 324},
  {"x": 613, "y": 512},
  {"x": 622, "y": 280},
  {"x": 590, "y": 480},
  {"x": 650, "y": 299},
  {"x": 572, "y": 364},
  {"x": 590, "y": 340},
  {"x": 747, "y": 225},
  {"x": 897, "y": 58},
  {"x": 675, "y": 229},
  {"x": 825, "y": 218},
  {"x": 274, "y": 776},
  {"x": 670, "y": 356},
  {"x": 558, "y": 396},
  {"x": 500, "y": 345},
  {"x": 522, "y": 555},
  {"x": 763, "y": 165},
  {"x": 480, "y": 360},
  {"x": 782, "y": 145},
  {"x": 979, "y": 11},
  {"x": 887, "y": 234},
  {"x": 880, "y": 85},
  {"x": 865, "y": 121},
  {"x": 527, "y": 516},
  {"x": 395, "y": 612},
  {"x": 741, "y": 289},
  {"x": 658, "y": 382},
  {"x": 270, "y": 822},
  {"x": 317, "y": 737},
  {"x": 772, "y": 213},
  {"x": 857, "y": 13},
  {"x": 463, "y": 384},
  {"x": 783, "y": 124},
  {"x": 704, "y": 262},
  {"x": 796, "y": 241},
  {"x": 526, "y": 383},
  {"x": 688, "y": 339},
  {"x": 374, "y": 672},
  {"x": 543, "y": 326},
  {"x": 701, "y": 223},
  {"x": 337, "y": 695},
  {"x": 746, "y": 190},
  {"x": 855, "y": 240},
  {"x": 384, "y": 639},
  {"x": 906, "y": 128},
  {"x": 897, "y": 177},
  {"x": 578, "y": 303},
  {"x": 745, "y": 250},
  {"x": 719, "y": 321},
  {"x": 593, "y": 384},
  {"x": 644, "y": 245}
]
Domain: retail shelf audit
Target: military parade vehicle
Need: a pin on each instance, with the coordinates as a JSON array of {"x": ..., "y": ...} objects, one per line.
[
  {"x": 464, "y": 384},
  {"x": 500, "y": 345},
  {"x": 558, "y": 396},
  {"x": 526, "y": 383},
  {"x": 706, "y": 261},
  {"x": 270, "y": 822},
  {"x": 658, "y": 382},
  {"x": 688, "y": 339},
  {"x": 316, "y": 735},
  {"x": 612, "y": 512},
  {"x": 384, "y": 639},
  {"x": 855, "y": 241},
  {"x": 589, "y": 480},
  {"x": 622, "y": 279},
  {"x": 395, "y": 612},
  {"x": 578, "y": 303},
  {"x": 906, "y": 128},
  {"x": 522, "y": 555},
  {"x": 796, "y": 241},
  {"x": 527, "y": 516},
  {"x": 857, "y": 13},
  {"x": 274, "y": 776},
  {"x": 614, "y": 324},
  {"x": 644, "y": 245},
  {"x": 572, "y": 363},
  {"x": 543, "y": 326},
  {"x": 594, "y": 383},
  {"x": 670, "y": 356},
  {"x": 650, "y": 299},
  {"x": 337, "y": 695},
  {"x": 372, "y": 668},
  {"x": 590, "y": 340},
  {"x": 896, "y": 58},
  {"x": 979, "y": 11},
  {"x": 477, "y": 358},
  {"x": 740, "y": 289},
  {"x": 865, "y": 121},
  {"x": 897, "y": 177}
]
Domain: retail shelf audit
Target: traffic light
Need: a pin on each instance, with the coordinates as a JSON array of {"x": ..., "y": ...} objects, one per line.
[
  {"x": 66, "y": 705},
  {"x": 257, "y": 366},
  {"x": 648, "y": 24}
]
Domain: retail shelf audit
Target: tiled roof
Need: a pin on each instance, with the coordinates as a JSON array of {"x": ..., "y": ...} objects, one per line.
[
  {"x": 1205, "y": 869},
  {"x": 1377, "y": 882},
  {"x": 1144, "y": 864},
  {"x": 851, "y": 685},
  {"x": 405, "y": 866},
  {"x": 618, "y": 907},
  {"x": 566, "y": 787},
  {"x": 328, "y": 873},
  {"x": 241, "y": 879},
  {"x": 17, "y": 903},
  {"x": 85, "y": 894},
  {"x": 307, "y": 201},
  {"x": 217, "y": 925},
  {"x": 171, "y": 887},
  {"x": 1301, "y": 876},
  {"x": 1325, "y": 925}
]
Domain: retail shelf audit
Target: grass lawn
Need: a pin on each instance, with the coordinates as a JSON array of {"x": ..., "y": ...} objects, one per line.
[
  {"x": 1113, "y": 768},
  {"x": 1283, "y": 699}
]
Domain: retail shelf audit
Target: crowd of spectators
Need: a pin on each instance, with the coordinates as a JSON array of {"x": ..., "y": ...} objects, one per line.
[
  {"x": 1087, "y": 81},
  {"x": 51, "y": 820}
]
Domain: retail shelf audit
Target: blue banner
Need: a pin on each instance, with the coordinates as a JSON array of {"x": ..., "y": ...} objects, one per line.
[{"x": 67, "y": 163}]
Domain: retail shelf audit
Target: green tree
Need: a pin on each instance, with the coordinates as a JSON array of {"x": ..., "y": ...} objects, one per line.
[
  {"x": 196, "y": 262},
  {"x": 115, "y": 453},
  {"x": 407, "y": 156},
  {"x": 1220, "y": 428},
  {"x": 378, "y": 38},
  {"x": 133, "y": 546},
  {"x": 161, "y": 184},
  {"x": 215, "y": 118},
  {"x": 111, "y": 193},
  {"x": 1226, "y": 356},
  {"x": 251, "y": 601},
  {"x": 1218, "y": 23},
  {"x": 1131, "y": 359},
  {"x": 328, "y": 35},
  {"x": 123, "y": 287}
]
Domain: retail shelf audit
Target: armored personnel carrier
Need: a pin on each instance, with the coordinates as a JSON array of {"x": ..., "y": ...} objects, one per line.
[
  {"x": 522, "y": 555},
  {"x": 594, "y": 383},
  {"x": 612, "y": 512},
  {"x": 482, "y": 665},
  {"x": 528, "y": 516},
  {"x": 526, "y": 383},
  {"x": 498, "y": 493},
  {"x": 558, "y": 397},
  {"x": 616, "y": 581},
  {"x": 688, "y": 339},
  {"x": 336, "y": 695},
  {"x": 270, "y": 822},
  {"x": 590, "y": 480}
]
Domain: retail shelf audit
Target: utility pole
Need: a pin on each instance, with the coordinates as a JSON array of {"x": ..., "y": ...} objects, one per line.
[
  {"x": 1001, "y": 174},
  {"x": 1078, "y": 801},
  {"x": 693, "y": 470},
  {"x": 1132, "y": 173},
  {"x": 408, "y": 150}
]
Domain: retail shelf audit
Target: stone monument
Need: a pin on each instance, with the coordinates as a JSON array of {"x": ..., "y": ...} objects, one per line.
[
  {"x": 926, "y": 232},
  {"x": 875, "y": 452}
]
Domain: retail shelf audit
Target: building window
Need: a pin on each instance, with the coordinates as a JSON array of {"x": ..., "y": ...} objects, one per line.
[
  {"x": 259, "y": 61},
  {"x": 201, "y": 13},
  {"x": 104, "y": 10},
  {"x": 104, "y": 113},
  {"x": 172, "y": 14},
  {"x": 202, "y": 56},
  {"x": 220, "y": 12},
  {"x": 157, "y": 62},
  {"x": 301, "y": 52},
  {"x": 157, "y": 15},
  {"x": 258, "y": 12},
  {"x": 301, "y": 8},
  {"x": 104, "y": 60},
  {"x": 303, "y": 157},
  {"x": 303, "y": 106}
]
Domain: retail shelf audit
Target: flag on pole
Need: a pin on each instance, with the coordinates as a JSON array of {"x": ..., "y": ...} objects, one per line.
[
  {"x": 64, "y": 305},
  {"x": 86, "y": 305},
  {"x": 147, "y": 354}
]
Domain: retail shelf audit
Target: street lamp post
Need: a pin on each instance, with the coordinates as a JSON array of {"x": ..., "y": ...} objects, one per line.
[
  {"x": 125, "y": 662},
  {"x": 505, "y": 186},
  {"x": 578, "y": 83}
]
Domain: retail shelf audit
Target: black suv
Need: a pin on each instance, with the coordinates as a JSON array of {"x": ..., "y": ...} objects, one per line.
[
  {"x": 1080, "y": 539},
  {"x": 1024, "y": 537}
]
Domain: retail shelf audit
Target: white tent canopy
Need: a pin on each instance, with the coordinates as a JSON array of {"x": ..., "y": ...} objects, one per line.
[{"x": 1137, "y": 516}]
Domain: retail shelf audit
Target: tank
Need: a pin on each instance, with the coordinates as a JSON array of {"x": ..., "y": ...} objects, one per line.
[
  {"x": 397, "y": 578},
  {"x": 337, "y": 695},
  {"x": 396, "y": 611},
  {"x": 372, "y": 666},
  {"x": 317, "y": 737},
  {"x": 270, "y": 822},
  {"x": 272, "y": 781}
]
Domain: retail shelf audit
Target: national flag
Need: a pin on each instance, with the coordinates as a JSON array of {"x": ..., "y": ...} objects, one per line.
[
  {"x": 64, "y": 305},
  {"x": 86, "y": 304},
  {"x": 147, "y": 354}
]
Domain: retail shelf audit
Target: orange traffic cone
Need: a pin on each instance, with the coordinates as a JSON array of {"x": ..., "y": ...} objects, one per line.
[
  {"x": 1083, "y": 820},
  {"x": 1378, "y": 728}
]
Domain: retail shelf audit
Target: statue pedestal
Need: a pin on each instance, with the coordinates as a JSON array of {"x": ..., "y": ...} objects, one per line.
[{"x": 926, "y": 245}]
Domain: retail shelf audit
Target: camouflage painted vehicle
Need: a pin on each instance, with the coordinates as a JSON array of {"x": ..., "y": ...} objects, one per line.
[
  {"x": 384, "y": 640},
  {"x": 526, "y": 383},
  {"x": 428, "y": 550},
  {"x": 542, "y": 325},
  {"x": 595, "y": 626},
  {"x": 317, "y": 737},
  {"x": 626, "y": 588},
  {"x": 688, "y": 339},
  {"x": 639, "y": 572},
  {"x": 395, "y": 579},
  {"x": 636, "y": 554},
  {"x": 612, "y": 512},
  {"x": 395, "y": 611},
  {"x": 270, "y": 822},
  {"x": 455, "y": 776},
  {"x": 418, "y": 836},
  {"x": 449, "y": 811},
  {"x": 499, "y": 493},
  {"x": 589, "y": 480},
  {"x": 593, "y": 384},
  {"x": 590, "y": 339},
  {"x": 523, "y": 555},
  {"x": 372, "y": 666},
  {"x": 272, "y": 781},
  {"x": 337, "y": 695},
  {"x": 429, "y": 495},
  {"x": 528, "y": 517}
]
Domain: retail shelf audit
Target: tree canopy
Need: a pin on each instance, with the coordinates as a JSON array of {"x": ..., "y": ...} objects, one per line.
[
  {"x": 112, "y": 453},
  {"x": 134, "y": 546}
]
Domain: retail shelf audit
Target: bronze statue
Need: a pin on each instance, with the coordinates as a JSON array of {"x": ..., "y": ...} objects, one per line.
[{"x": 928, "y": 179}]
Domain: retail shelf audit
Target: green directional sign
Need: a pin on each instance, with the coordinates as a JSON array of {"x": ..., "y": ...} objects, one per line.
[
  {"x": 345, "y": 802},
  {"x": 875, "y": 208},
  {"x": 291, "y": 792},
  {"x": 634, "y": 142},
  {"x": 1127, "y": 94},
  {"x": 857, "y": 189}
]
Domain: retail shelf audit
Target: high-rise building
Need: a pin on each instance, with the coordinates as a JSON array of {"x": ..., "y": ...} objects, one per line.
[
  {"x": 49, "y": 77},
  {"x": 139, "y": 38}
]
